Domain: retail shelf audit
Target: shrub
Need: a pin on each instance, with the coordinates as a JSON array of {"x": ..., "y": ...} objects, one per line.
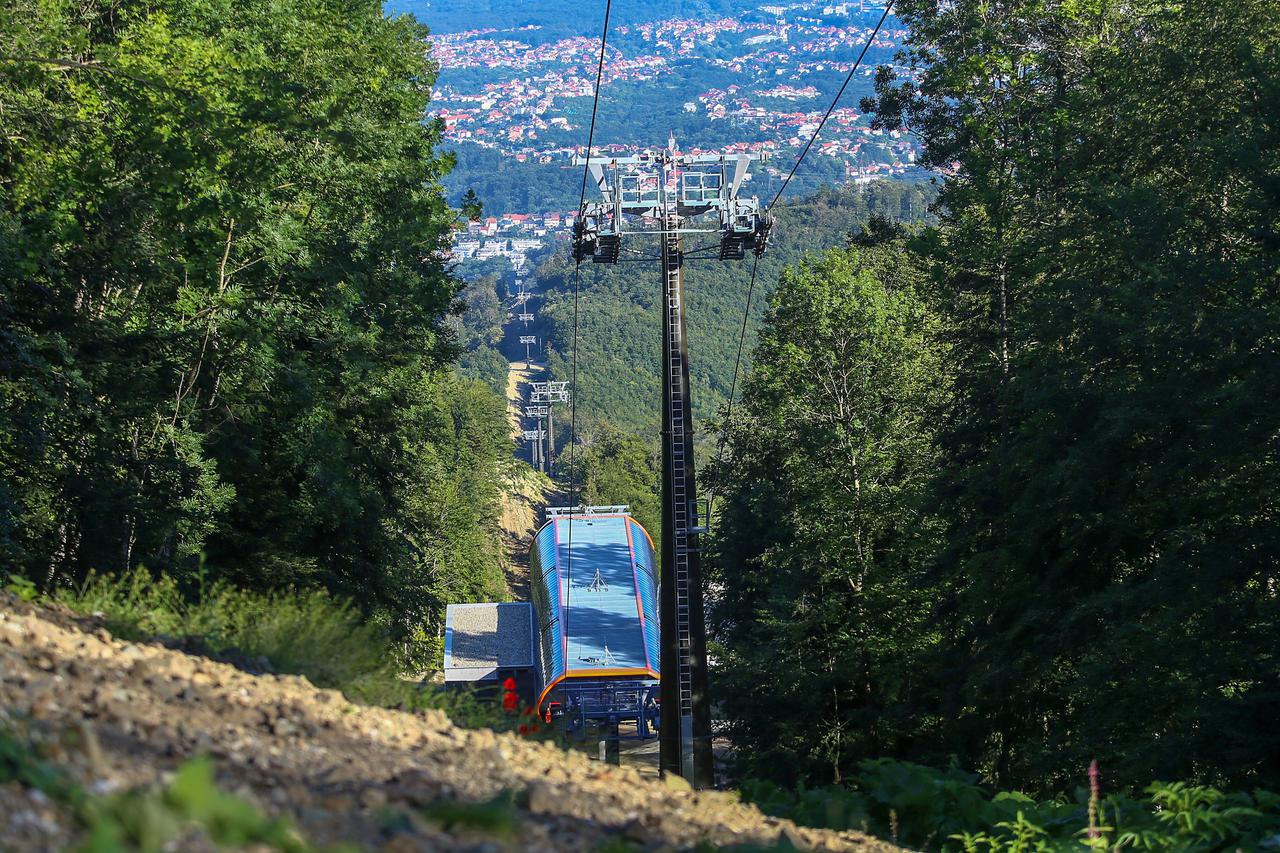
[
  {"x": 946, "y": 810},
  {"x": 307, "y": 633}
]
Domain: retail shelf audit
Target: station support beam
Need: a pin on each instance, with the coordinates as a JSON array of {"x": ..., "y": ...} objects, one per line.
[{"x": 549, "y": 393}]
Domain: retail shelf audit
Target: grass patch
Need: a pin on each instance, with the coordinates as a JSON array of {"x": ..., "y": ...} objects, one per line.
[
  {"x": 157, "y": 819},
  {"x": 497, "y": 817},
  {"x": 307, "y": 633},
  {"x": 23, "y": 761}
]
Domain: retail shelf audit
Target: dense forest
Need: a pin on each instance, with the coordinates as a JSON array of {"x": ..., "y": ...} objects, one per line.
[
  {"x": 1002, "y": 491},
  {"x": 223, "y": 343},
  {"x": 998, "y": 495}
]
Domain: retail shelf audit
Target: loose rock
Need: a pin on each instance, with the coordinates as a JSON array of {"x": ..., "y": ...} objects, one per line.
[{"x": 336, "y": 770}]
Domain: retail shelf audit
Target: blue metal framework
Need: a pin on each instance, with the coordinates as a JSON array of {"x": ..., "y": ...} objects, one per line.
[{"x": 609, "y": 703}]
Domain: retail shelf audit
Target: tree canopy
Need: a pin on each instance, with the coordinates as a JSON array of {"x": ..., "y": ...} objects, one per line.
[
  {"x": 222, "y": 305},
  {"x": 819, "y": 598},
  {"x": 1099, "y": 579}
]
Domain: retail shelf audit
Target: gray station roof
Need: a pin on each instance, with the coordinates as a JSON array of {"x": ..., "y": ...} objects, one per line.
[{"x": 480, "y": 639}]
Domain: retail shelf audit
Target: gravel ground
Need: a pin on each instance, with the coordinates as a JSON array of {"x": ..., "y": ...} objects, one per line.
[{"x": 340, "y": 772}]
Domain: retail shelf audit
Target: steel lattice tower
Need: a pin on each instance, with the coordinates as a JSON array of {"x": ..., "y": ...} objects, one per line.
[{"x": 660, "y": 193}]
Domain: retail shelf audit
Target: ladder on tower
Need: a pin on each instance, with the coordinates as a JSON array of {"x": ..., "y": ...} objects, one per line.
[{"x": 679, "y": 420}]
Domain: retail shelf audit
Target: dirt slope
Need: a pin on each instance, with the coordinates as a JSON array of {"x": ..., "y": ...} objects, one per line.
[
  {"x": 340, "y": 772},
  {"x": 526, "y": 493},
  {"x": 518, "y": 373}
]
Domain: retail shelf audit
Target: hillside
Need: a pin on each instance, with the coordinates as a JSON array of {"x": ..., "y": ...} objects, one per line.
[
  {"x": 118, "y": 716},
  {"x": 992, "y": 561}
]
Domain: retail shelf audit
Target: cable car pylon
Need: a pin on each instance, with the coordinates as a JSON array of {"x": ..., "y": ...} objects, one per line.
[{"x": 666, "y": 193}]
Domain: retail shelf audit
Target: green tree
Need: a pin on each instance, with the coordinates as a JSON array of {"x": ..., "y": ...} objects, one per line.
[
  {"x": 819, "y": 602},
  {"x": 1107, "y": 260},
  {"x": 222, "y": 305},
  {"x": 609, "y": 466},
  {"x": 482, "y": 312}
]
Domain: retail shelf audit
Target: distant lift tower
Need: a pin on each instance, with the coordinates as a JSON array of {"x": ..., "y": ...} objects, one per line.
[
  {"x": 534, "y": 437},
  {"x": 535, "y": 447},
  {"x": 672, "y": 194},
  {"x": 549, "y": 393}
]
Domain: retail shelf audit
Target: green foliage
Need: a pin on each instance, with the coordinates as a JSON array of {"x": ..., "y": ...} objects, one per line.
[
  {"x": 24, "y": 588},
  {"x": 152, "y": 821},
  {"x": 1108, "y": 462},
  {"x": 22, "y": 761},
  {"x": 497, "y": 817},
  {"x": 1069, "y": 551},
  {"x": 481, "y": 327},
  {"x": 471, "y": 206},
  {"x": 947, "y": 811},
  {"x": 223, "y": 310},
  {"x": 822, "y": 529},
  {"x": 306, "y": 633},
  {"x": 612, "y": 467},
  {"x": 483, "y": 313},
  {"x": 485, "y": 364}
]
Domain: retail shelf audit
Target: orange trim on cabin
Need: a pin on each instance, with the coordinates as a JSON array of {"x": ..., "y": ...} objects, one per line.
[
  {"x": 538, "y": 705},
  {"x": 646, "y": 535},
  {"x": 584, "y": 515},
  {"x": 628, "y": 515},
  {"x": 588, "y": 673}
]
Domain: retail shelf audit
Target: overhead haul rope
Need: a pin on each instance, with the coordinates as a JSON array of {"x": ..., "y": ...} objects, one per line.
[
  {"x": 573, "y": 377},
  {"x": 746, "y": 313}
]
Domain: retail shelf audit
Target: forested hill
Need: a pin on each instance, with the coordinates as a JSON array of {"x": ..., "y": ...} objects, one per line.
[
  {"x": 619, "y": 320},
  {"x": 514, "y": 83}
]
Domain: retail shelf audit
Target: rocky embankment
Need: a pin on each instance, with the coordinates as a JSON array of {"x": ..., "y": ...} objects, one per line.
[{"x": 131, "y": 713}]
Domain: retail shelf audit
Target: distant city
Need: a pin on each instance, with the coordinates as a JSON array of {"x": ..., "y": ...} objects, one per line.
[
  {"x": 520, "y": 113},
  {"x": 514, "y": 103}
]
